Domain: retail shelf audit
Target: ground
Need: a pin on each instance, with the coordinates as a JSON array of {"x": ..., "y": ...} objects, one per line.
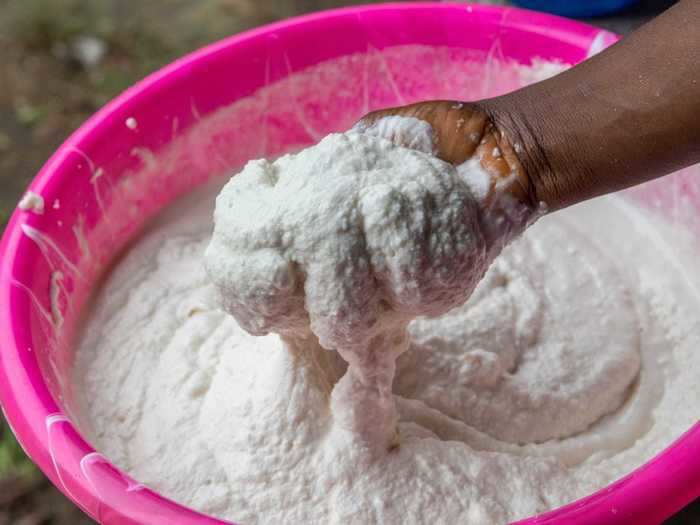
[{"x": 60, "y": 61}]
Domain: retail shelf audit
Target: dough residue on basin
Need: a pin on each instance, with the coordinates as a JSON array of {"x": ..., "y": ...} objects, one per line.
[
  {"x": 33, "y": 202},
  {"x": 571, "y": 363}
]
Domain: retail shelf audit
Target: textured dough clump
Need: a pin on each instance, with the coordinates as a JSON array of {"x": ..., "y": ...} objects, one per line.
[{"x": 347, "y": 241}]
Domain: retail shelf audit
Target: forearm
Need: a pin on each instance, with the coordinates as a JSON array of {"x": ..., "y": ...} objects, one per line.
[{"x": 629, "y": 114}]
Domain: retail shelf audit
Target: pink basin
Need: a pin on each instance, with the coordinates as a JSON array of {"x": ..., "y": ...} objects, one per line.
[{"x": 261, "y": 93}]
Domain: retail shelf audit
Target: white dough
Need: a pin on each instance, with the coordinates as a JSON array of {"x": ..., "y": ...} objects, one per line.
[
  {"x": 571, "y": 364},
  {"x": 32, "y": 202},
  {"x": 339, "y": 246}
]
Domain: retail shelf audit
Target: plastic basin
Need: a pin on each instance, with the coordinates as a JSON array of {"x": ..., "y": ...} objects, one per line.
[{"x": 258, "y": 94}]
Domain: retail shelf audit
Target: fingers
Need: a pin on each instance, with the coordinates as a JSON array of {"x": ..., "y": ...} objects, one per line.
[
  {"x": 457, "y": 126},
  {"x": 500, "y": 160},
  {"x": 462, "y": 131}
]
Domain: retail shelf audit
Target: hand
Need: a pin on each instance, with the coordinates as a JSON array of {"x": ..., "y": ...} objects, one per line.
[
  {"x": 465, "y": 130},
  {"x": 625, "y": 116}
]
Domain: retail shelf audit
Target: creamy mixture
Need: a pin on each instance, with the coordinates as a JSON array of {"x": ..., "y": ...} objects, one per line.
[
  {"x": 572, "y": 362},
  {"x": 349, "y": 241}
]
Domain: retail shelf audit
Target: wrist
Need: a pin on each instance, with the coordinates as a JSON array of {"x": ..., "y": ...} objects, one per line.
[
  {"x": 513, "y": 159},
  {"x": 516, "y": 132}
]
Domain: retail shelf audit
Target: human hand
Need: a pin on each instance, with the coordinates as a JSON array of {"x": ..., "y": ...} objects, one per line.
[
  {"x": 465, "y": 130},
  {"x": 620, "y": 118}
]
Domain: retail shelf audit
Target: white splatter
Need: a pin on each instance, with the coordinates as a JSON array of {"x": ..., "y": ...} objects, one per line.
[
  {"x": 598, "y": 44},
  {"x": 50, "y": 421},
  {"x": 79, "y": 232},
  {"x": 54, "y": 293},
  {"x": 32, "y": 202},
  {"x": 44, "y": 243},
  {"x": 146, "y": 156},
  {"x": 35, "y": 300}
]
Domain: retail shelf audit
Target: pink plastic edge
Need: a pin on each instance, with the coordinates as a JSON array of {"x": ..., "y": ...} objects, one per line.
[{"x": 648, "y": 495}]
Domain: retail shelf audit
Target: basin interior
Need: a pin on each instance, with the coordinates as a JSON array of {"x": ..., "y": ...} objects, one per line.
[{"x": 259, "y": 98}]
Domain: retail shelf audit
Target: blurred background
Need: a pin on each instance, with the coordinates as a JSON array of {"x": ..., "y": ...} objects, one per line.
[{"x": 60, "y": 61}]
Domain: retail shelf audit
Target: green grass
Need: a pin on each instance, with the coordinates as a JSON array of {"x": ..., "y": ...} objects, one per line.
[
  {"x": 41, "y": 24},
  {"x": 13, "y": 461},
  {"x": 4, "y": 217},
  {"x": 28, "y": 114},
  {"x": 135, "y": 45}
]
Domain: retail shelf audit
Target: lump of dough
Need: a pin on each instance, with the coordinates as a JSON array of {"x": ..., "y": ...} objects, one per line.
[
  {"x": 341, "y": 245},
  {"x": 342, "y": 236}
]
